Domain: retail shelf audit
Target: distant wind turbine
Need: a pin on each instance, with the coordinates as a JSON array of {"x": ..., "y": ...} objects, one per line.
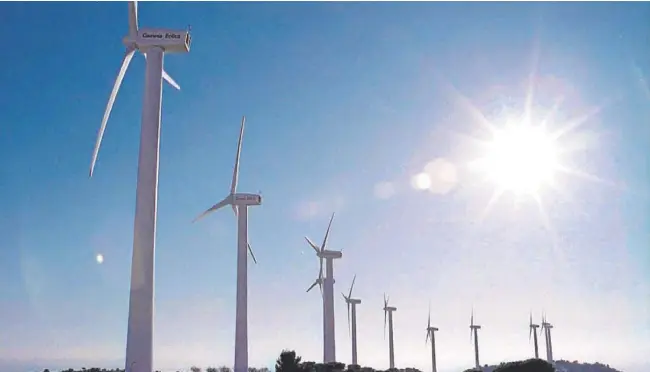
[
  {"x": 388, "y": 310},
  {"x": 431, "y": 333},
  {"x": 473, "y": 331},
  {"x": 533, "y": 332},
  {"x": 329, "y": 341},
  {"x": 352, "y": 307},
  {"x": 240, "y": 203},
  {"x": 153, "y": 44},
  {"x": 546, "y": 327}
]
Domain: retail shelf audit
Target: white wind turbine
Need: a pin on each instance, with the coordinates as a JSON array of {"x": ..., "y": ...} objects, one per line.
[
  {"x": 473, "y": 332},
  {"x": 391, "y": 345},
  {"x": 546, "y": 327},
  {"x": 533, "y": 332},
  {"x": 352, "y": 306},
  {"x": 153, "y": 43},
  {"x": 240, "y": 203},
  {"x": 431, "y": 334},
  {"x": 329, "y": 342}
]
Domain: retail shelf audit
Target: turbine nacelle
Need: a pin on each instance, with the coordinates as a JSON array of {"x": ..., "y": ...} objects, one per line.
[
  {"x": 475, "y": 327},
  {"x": 432, "y": 329},
  {"x": 246, "y": 199},
  {"x": 171, "y": 41},
  {"x": 390, "y": 308},
  {"x": 329, "y": 254},
  {"x": 354, "y": 301}
]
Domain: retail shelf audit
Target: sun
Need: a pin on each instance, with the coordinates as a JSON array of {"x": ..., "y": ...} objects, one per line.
[{"x": 520, "y": 158}]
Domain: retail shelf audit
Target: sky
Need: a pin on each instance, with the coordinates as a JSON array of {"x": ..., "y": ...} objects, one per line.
[{"x": 345, "y": 104}]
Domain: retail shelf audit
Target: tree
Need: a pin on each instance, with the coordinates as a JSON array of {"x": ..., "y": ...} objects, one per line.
[
  {"x": 195, "y": 369},
  {"x": 288, "y": 362},
  {"x": 211, "y": 369},
  {"x": 224, "y": 369}
]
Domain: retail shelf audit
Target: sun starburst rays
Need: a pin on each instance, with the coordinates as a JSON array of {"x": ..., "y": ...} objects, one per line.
[{"x": 523, "y": 156}]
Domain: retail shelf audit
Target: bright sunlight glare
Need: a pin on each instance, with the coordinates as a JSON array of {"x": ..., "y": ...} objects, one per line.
[{"x": 521, "y": 159}]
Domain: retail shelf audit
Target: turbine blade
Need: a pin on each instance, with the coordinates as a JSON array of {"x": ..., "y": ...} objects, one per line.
[
  {"x": 170, "y": 80},
  {"x": 235, "y": 210},
  {"x": 352, "y": 286},
  {"x": 327, "y": 233},
  {"x": 314, "y": 246},
  {"x": 235, "y": 173},
  {"x": 133, "y": 19},
  {"x": 385, "y": 322},
  {"x": 219, "y": 205},
  {"x": 128, "y": 56},
  {"x": 166, "y": 77},
  {"x": 250, "y": 250},
  {"x": 320, "y": 269},
  {"x": 429, "y": 319},
  {"x": 426, "y": 340},
  {"x": 312, "y": 286}
]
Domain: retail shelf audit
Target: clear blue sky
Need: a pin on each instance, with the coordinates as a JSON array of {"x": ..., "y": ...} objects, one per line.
[{"x": 344, "y": 103}]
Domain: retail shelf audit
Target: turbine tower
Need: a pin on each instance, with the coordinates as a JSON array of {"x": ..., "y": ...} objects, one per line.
[
  {"x": 533, "y": 332},
  {"x": 352, "y": 305},
  {"x": 391, "y": 345},
  {"x": 329, "y": 342},
  {"x": 546, "y": 327},
  {"x": 240, "y": 203},
  {"x": 473, "y": 332},
  {"x": 431, "y": 333},
  {"x": 153, "y": 44}
]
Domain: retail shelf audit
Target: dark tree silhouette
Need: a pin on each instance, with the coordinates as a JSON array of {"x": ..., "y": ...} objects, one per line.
[
  {"x": 288, "y": 362},
  {"x": 530, "y": 365}
]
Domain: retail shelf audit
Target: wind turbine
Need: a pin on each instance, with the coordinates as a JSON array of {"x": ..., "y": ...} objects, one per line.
[
  {"x": 391, "y": 345},
  {"x": 546, "y": 327},
  {"x": 352, "y": 305},
  {"x": 153, "y": 44},
  {"x": 329, "y": 342},
  {"x": 533, "y": 332},
  {"x": 473, "y": 331},
  {"x": 240, "y": 203},
  {"x": 431, "y": 333}
]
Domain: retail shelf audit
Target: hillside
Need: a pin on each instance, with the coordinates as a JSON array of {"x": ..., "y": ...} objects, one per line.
[
  {"x": 575, "y": 366},
  {"x": 562, "y": 366}
]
